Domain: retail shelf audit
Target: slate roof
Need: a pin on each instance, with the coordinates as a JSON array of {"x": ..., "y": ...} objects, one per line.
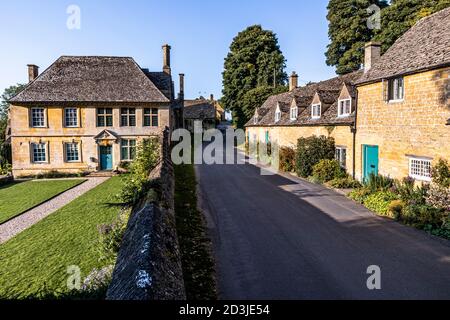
[
  {"x": 328, "y": 92},
  {"x": 91, "y": 79},
  {"x": 425, "y": 46},
  {"x": 163, "y": 82},
  {"x": 199, "y": 109}
]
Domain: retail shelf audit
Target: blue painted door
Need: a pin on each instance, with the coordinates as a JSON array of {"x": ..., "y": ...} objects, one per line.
[
  {"x": 370, "y": 160},
  {"x": 106, "y": 158}
]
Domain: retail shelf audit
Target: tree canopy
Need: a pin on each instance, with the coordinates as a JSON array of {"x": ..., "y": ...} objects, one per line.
[
  {"x": 352, "y": 24},
  {"x": 4, "y": 108},
  {"x": 254, "y": 60},
  {"x": 401, "y": 15},
  {"x": 348, "y": 31}
]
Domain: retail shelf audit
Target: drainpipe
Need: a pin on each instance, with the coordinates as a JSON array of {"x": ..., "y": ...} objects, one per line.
[{"x": 353, "y": 129}]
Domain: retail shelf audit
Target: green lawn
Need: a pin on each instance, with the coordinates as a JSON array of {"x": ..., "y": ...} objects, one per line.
[
  {"x": 35, "y": 261},
  {"x": 16, "y": 198}
]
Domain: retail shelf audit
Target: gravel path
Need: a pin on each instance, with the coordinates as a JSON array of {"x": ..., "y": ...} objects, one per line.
[{"x": 15, "y": 226}]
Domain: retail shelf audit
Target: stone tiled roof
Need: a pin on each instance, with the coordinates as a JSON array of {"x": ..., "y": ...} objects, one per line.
[
  {"x": 425, "y": 46},
  {"x": 328, "y": 92},
  {"x": 199, "y": 109},
  {"x": 91, "y": 79},
  {"x": 163, "y": 82}
]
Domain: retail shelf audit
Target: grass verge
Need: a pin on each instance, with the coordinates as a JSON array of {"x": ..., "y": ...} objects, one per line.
[
  {"x": 34, "y": 264},
  {"x": 18, "y": 197},
  {"x": 197, "y": 262}
]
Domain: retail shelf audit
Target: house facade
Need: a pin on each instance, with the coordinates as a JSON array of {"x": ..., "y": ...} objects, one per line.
[
  {"x": 203, "y": 110},
  {"x": 403, "y": 103},
  {"x": 88, "y": 114},
  {"x": 324, "y": 108},
  {"x": 391, "y": 118}
]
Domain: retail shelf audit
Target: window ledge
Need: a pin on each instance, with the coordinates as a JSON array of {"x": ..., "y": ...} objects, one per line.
[
  {"x": 396, "y": 101},
  {"x": 420, "y": 178}
]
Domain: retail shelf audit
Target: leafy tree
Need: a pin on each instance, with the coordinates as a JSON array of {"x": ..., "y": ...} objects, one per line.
[
  {"x": 349, "y": 31},
  {"x": 254, "y": 98},
  {"x": 10, "y": 92},
  {"x": 401, "y": 15},
  {"x": 254, "y": 60}
]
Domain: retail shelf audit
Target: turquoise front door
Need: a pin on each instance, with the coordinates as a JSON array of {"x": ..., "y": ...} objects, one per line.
[
  {"x": 370, "y": 160},
  {"x": 106, "y": 158}
]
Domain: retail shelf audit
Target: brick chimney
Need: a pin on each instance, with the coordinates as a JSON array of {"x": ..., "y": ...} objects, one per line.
[
  {"x": 181, "y": 94},
  {"x": 372, "y": 53},
  {"x": 166, "y": 58},
  {"x": 33, "y": 72},
  {"x": 293, "y": 81}
]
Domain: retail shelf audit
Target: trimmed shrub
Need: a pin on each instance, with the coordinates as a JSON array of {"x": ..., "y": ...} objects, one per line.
[
  {"x": 359, "y": 195},
  {"x": 287, "y": 159},
  {"x": 378, "y": 183},
  {"x": 344, "y": 183},
  {"x": 310, "y": 151},
  {"x": 379, "y": 202},
  {"x": 327, "y": 170}
]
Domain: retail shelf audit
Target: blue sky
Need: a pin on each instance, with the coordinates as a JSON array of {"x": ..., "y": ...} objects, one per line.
[{"x": 199, "y": 32}]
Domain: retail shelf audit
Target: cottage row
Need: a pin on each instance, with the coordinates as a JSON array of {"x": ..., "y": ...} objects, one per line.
[{"x": 391, "y": 118}]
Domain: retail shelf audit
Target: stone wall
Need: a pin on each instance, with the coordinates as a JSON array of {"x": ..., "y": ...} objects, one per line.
[
  {"x": 415, "y": 126},
  {"x": 148, "y": 266}
]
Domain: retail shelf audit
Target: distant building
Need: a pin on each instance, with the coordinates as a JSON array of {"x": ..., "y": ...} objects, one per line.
[{"x": 210, "y": 112}]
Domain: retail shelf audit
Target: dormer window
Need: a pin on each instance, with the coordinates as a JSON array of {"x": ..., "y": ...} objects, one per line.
[
  {"x": 293, "y": 111},
  {"x": 344, "y": 107},
  {"x": 278, "y": 114},
  {"x": 316, "y": 111}
]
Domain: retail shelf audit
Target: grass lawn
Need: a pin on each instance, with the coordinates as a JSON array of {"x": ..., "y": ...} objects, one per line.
[
  {"x": 197, "y": 263},
  {"x": 35, "y": 261},
  {"x": 18, "y": 197}
]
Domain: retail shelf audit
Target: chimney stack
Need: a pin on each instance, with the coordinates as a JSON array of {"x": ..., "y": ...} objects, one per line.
[
  {"x": 33, "y": 72},
  {"x": 372, "y": 53},
  {"x": 181, "y": 94},
  {"x": 166, "y": 58},
  {"x": 293, "y": 81},
  {"x": 211, "y": 97}
]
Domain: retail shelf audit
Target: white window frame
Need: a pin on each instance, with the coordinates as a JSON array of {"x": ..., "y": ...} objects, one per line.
[
  {"x": 294, "y": 113},
  {"x": 344, "y": 114},
  {"x": 395, "y": 94},
  {"x": 424, "y": 165},
  {"x": 44, "y": 120},
  {"x": 66, "y": 158},
  {"x": 338, "y": 156},
  {"x": 277, "y": 114},
  {"x": 319, "y": 106},
  {"x": 76, "y": 118},
  {"x": 33, "y": 145}
]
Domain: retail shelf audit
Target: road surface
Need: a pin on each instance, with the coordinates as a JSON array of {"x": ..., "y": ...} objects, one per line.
[{"x": 281, "y": 238}]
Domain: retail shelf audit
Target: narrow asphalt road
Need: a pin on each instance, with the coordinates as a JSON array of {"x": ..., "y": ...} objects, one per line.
[{"x": 281, "y": 238}]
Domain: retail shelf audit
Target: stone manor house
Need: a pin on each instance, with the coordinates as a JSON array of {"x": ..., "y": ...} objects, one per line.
[
  {"x": 89, "y": 113},
  {"x": 392, "y": 117}
]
